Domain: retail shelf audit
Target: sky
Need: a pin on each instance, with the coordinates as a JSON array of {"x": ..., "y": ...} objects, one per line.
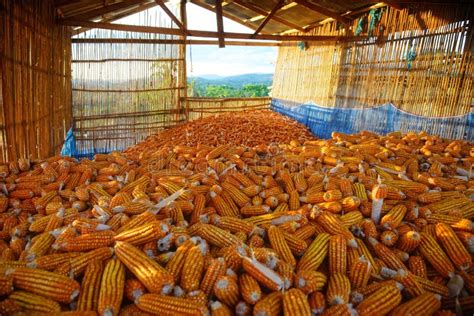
[{"x": 212, "y": 60}]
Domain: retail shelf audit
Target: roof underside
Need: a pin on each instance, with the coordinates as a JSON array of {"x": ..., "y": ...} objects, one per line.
[{"x": 285, "y": 15}]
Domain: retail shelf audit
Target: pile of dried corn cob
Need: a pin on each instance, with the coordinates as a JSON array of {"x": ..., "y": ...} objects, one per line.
[
  {"x": 359, "y": 223},
  {"x": 250, "y": 128}
]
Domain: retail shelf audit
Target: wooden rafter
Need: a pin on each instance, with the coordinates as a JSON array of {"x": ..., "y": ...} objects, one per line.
[
  {"x": 196, "y": 33},
  {"x": 269, "y": 16},
  {"x": 140, "y": 8},
  {"x": 220, "y": 23},
  {"x": 106, "y": 9},
  {"x": 323, "y": 10},
  {"x": 229, "y": 16},
  {"x": 260, "y": 11},
  {"x": 171, "y": 15}
]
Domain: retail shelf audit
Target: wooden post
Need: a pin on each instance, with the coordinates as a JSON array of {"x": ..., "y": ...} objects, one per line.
[
  {"x": 183, "y": 101},
  {"x": 220, "y": 23}
]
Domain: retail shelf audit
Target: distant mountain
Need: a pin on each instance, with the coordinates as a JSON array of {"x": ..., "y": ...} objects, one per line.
[{"x": 237, "y": 81}]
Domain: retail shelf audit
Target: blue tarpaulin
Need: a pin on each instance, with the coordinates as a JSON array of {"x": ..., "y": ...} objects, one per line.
[{"x": 380, "y": 119}]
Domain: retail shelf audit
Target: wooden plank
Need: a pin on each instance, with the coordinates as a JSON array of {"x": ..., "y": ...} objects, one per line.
[
  {"x": 196, "y": 33},
  {"x": 324, "y": 11},
  {"x": 269, "y": 16},
  {"x": 258, "y": 10},
  {"x": 104, "y": 10},
  {"x": 220, "y": 24},
  {"x": 165, "y": 41},
  {"x": 171, "y": 15}
]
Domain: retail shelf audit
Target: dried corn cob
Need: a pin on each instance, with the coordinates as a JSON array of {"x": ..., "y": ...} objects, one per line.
[{"x": 111, "y": 288}]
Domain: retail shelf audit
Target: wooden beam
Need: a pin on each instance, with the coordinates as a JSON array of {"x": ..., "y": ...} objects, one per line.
[
  {"x": 260, "y": 11},
  {"x": 171, "y": 15},
  {"x": 89, "y": 15},
  {"x": 229, "y": 16},
  {"x": 220, "y": 23},
  {"x": 166, "y": 41},
  {"x": 269, "y": 16},
  {"x": 320, "y": 9},
  {"x": 196, "y": 33}
]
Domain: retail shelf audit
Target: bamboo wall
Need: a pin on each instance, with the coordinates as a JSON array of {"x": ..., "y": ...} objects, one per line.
[
  {"x": 35, "y": 94},
  {"x": 373, "y": 72},
  {"x": 197, "y": 108},
  {"x": 123, "y": 93}
]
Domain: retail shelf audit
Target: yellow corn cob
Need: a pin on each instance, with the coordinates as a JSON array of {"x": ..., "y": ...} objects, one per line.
[
  {"x": 431, "y": 286},
  {"x": 254, "y": 210},
  {"x": 332, "y": 195},
  {"x": 386, "y": 255},
  {"x": 295, "y": 302},
  {"x": 339, "y": 288},
  {"x": 315, "y": 254},
  {"x": 351, "y": 218},
  {"x": 346, "y": 187},
  {"x": 269, "y": 305},
  {"x": 305, "y": 232},
  {"x": 90, "y": 287},
  {"x": 369, "y": 229},
  {"x": 236, "y": 194},
  {"x": 252, "y": 191},
  {"x": 9, "y": 307},
  {"x": 339, "y": 310},
  {"x": 333, "y": 225},
  {"x": 380, "y": 302},
  {"x": 417, "y": 266},
  {"x": 279, "y": 244},
  {"x": 215, "y": 235},
  {"x": 453, "y": 246},
  {"x": 133, "y": 289},
  {"x": 317, "y": 303},
  {"x": 250, "y": 289},
  {"x": 409, "y": 242},
  {"x": 297, "y": 246},
  {"x": 359, "y": 273},
  {"x": 265, "y": 276},
  {"x": 192, "y": 269},
  {"x": 168, "y": 305},
  {"x": 6, "y": 284},
  {"x": 287, "y": 273},
  {"x": 453, "y": 221},
  {"x": 88, "y": 241},
  {"x": 337, "y": 255},
  {"x": 394, "y": 217},
  {"x": 40, "y": 246},
  {"x": 45, "y": 283},
  {"x": 222, "y": 206},
  {"x": 360, "y": 191},
  {"x": 424, "y": 304},
  {"x": 51, "y": 262},
  {"x": 294, "y": 200},
  {"x": 34, "y": 303},
  {"x": 430, "y": 197},
  {"x": 216, "y": 269},
  {"x": 243, "y": 179},
  {"x": 139, "y": 220},
  {"x": 111, "y": 288},
  {"x": 409, "y": 282},
  {"x": 389, "y": 238},
  {"x": 433, "y": 253},
  {"x": 143, "y": 234},
  {"x": 226, "y": 290},
  {"x": 309, "y": 281},
  {"x": 155, "y": 278},
  {"x": 350, "y": 203}
]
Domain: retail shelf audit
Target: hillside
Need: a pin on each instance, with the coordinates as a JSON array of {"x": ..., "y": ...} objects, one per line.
[{"x": 236, "y": 82}]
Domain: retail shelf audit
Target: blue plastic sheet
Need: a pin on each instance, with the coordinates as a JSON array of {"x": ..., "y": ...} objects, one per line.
[{"x": 381, "y": 119}]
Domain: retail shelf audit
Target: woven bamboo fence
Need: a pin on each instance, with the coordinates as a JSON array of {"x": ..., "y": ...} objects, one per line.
[
  {"x": 124, "y": 92},
  {"x": 35, "y": 98},
  {"x": 376, "y": 71},
  {"x": 197, "y": 108}
]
